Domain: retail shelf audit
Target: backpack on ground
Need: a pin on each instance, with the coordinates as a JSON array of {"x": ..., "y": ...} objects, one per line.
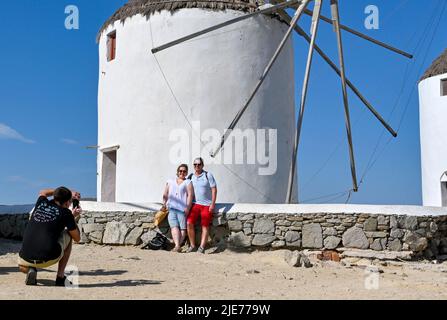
[{"x": 159, "y": 242}]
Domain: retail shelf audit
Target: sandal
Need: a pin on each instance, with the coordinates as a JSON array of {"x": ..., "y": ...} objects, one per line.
[{"x": 191, "y": 249}]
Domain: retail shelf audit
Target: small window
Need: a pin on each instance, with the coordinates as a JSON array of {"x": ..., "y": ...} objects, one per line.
[
  {"x": 444, "y": 189},
  {"x": 444, "y": 87},
  {"x": 444, "y": 194},
  {"x": 111, "y": 46}
]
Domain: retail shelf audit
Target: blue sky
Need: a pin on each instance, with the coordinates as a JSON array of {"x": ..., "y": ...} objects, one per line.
[{"x": 48, "y": 99}]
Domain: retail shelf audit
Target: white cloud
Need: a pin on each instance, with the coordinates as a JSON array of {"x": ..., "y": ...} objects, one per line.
[
  {"x": 9, "y": 133},
  {"x": 69, "y": 141},
  {"x": 25, "y": 181},
  {"x": 15, "y": 179}
]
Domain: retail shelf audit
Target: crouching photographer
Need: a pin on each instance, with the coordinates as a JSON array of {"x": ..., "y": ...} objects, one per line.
[{"x": 49, "y": 234}]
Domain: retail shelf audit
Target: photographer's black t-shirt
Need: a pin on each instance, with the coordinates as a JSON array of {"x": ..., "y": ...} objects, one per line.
[{"x": 48, "y": 220}]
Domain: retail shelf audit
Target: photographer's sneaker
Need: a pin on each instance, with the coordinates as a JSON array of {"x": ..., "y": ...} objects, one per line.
[
  {"x": 60, "y": 282},
  {"x": 201, "y": 250},
  {"x": 31, "y": 277}
]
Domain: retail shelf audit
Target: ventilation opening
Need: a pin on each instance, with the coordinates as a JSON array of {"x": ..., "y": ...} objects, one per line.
[
  {"x": 444, "y": 87},
  {"x": 108, "y": 181},
  {"x": 111, "y": 46}
]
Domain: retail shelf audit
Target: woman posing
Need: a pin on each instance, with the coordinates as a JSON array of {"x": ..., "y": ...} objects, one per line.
[{"x": 177, "y": 197}]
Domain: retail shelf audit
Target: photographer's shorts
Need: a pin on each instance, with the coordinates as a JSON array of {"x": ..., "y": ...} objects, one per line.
[{"x": 64, "y": 241}]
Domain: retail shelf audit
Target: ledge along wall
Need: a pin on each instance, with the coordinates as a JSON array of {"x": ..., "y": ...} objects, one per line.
[{"x": 422, "y": 230}]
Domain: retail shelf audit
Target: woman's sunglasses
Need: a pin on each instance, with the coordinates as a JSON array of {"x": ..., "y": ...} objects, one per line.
[
  {"x": 182, "y": 171},
  {"x": 197, "y": 164}
]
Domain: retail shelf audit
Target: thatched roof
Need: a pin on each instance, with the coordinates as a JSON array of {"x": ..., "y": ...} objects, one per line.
[
  {"x": 438, "y": 67},
  {"x": 147, "y": 7}
]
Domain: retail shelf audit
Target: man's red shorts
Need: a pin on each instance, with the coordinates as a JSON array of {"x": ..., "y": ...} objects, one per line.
[{"x": 204, "y": 213}]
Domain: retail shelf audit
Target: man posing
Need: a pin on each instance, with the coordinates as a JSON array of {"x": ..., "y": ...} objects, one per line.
[
  {"x": 49, "y": 234},
  {"x": 205, "y": 190}
]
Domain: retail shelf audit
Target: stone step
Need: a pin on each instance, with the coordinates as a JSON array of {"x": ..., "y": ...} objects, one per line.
[{"x": 372, "y": 254}]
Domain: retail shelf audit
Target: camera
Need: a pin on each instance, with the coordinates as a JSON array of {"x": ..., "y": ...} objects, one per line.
[{"x": 75, "y": 203}]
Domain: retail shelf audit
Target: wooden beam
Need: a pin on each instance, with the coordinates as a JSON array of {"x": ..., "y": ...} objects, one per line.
[
  {"x": 314, "y": 31},
  {"x": 268, "y": 10},
  {"x": 295, "y": 19}
]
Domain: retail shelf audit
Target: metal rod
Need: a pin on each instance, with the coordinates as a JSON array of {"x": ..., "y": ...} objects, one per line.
[
  {"x": 314, "y": 31},
  {"x": 226, "y": 23},
  {"x": 336, "y": 18},
  {"x": 302, "y": 33},
  {"x": 364, "y": 36},
  {"x": 295, "y": 19}
]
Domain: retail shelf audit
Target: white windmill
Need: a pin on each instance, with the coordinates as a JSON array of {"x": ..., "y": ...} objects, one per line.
[
  {"x": 433, "y": 114},
  {"x": 254, "y": 76}
]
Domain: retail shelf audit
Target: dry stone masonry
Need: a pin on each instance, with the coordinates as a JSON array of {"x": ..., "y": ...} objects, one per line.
[{"x": 423, "y": 235}]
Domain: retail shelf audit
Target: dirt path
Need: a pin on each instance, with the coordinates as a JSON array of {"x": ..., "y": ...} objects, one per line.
[{"x": 131, "y": 273}]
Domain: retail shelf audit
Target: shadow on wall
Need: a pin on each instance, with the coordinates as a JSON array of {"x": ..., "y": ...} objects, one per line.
[
  {"x": 226, "y": 207},
  {"x": 143, "y": 207}
]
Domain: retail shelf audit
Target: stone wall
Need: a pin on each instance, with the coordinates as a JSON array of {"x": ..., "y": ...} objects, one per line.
[
  {"x": 426, "y": 235},
  {"x": 12, "y": 226},
  {"x": 420, "y": 233}
]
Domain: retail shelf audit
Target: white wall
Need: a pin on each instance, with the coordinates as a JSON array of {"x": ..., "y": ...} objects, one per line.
[
  {"x": 211, "y": 77},
  {"x": 433, "y": 123}
]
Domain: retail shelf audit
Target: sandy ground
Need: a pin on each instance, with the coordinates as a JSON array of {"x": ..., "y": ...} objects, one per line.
[{"x": 132, "y": 273}]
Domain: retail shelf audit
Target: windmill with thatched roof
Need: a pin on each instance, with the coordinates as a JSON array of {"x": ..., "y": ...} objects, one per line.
[
  {"x": 168, "y": 67},
  {"x": 433, "y": 123}
]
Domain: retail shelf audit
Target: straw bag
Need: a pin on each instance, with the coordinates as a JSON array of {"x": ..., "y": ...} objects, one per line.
[{"x": 160, "y": 216}]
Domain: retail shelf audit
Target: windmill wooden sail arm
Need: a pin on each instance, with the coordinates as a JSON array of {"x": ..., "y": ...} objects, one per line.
[
  {"x": 267, "y": 10},
  {"x": 284, "y": 15},
  {"x": 283, "y": 42},
  {"x": 357, "y": 33},
  {"x": 314, "y": 31},
  {"x": 363, "y": 36},
  {"x": 336, "y": 19},
  {"x": 362, "y": 98}
]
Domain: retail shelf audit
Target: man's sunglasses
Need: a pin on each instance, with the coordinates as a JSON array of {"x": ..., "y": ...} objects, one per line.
[{"x": 197, "y": 164}]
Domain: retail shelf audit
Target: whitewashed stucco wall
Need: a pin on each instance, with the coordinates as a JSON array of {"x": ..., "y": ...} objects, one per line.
[{"x": 433, "y": 126}]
